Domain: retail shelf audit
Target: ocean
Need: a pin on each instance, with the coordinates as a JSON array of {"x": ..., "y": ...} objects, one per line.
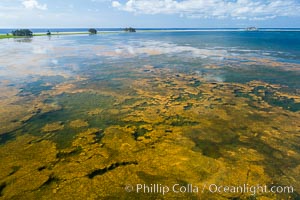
[
  {"x": 98, "y": 115},
  {"x": 54, "y": 30}
]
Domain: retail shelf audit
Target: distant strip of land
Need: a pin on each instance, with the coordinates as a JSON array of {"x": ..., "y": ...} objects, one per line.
[{"x": 5, "y": 36}]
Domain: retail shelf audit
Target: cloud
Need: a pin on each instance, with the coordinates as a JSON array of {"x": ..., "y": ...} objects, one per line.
[
  {"x": 235, "y": 9},
  {"x": 116, "y": 4},
  {"x": 34, "y": 4}
]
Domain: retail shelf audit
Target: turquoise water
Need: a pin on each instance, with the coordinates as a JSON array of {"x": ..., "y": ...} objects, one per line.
[{"x": 183, "y": 50}]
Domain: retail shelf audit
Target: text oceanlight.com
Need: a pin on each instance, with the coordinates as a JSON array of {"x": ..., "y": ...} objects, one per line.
[{"x": 212, "y": 188}]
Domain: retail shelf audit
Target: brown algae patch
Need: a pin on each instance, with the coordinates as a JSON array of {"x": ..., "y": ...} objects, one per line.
[
  {"x": 16, "y": 109},
  {"x": 96, "y": 111},
  {"x": 53, "y": 127},
  {"x": 169, "y": 130},
  {"x": 25, "y": 165},
  {"x": 78, "y": 123}
]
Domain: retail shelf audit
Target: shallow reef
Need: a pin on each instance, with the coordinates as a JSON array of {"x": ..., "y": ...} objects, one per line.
[
  {"x": 164, "y": 128},
  {"x": 53, "y": 127},
  {"x": 78, "y": 123}
]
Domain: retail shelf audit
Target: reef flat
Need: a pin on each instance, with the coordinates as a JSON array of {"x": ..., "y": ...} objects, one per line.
[{"x": 148, "y": 116}]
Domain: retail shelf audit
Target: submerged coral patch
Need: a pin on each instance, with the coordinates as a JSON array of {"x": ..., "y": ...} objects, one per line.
[
  {"x": 53, "y": 127},
  {"x": 78, "y": 123}
]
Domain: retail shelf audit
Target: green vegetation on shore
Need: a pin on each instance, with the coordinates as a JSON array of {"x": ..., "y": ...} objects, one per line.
[
  {"x": 4, "y": 36},
  {"x": 130, "y": 29},
  {"x": 90, "y": 31},
  {"x": 22, "y": 32},
  {"x": 93, "y": 31}
]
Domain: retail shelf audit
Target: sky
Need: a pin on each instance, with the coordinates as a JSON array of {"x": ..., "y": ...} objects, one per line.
[{"x": 149, "y": 13}]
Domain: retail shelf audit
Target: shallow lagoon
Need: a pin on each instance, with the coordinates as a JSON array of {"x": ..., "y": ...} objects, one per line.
[{"x": 83, "y": 116}]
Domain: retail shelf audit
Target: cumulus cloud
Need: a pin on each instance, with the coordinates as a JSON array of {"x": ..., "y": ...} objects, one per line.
[
  {"x": 116, "y": 4},
  {"x": 235, "y": 9},
  {"x": 34, "y": 4}
]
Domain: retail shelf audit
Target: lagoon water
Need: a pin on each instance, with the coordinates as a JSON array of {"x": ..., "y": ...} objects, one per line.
[{"x": 82, "y": 116}]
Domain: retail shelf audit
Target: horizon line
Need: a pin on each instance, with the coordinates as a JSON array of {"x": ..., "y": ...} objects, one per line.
[{"x": 149, "y": 27}]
